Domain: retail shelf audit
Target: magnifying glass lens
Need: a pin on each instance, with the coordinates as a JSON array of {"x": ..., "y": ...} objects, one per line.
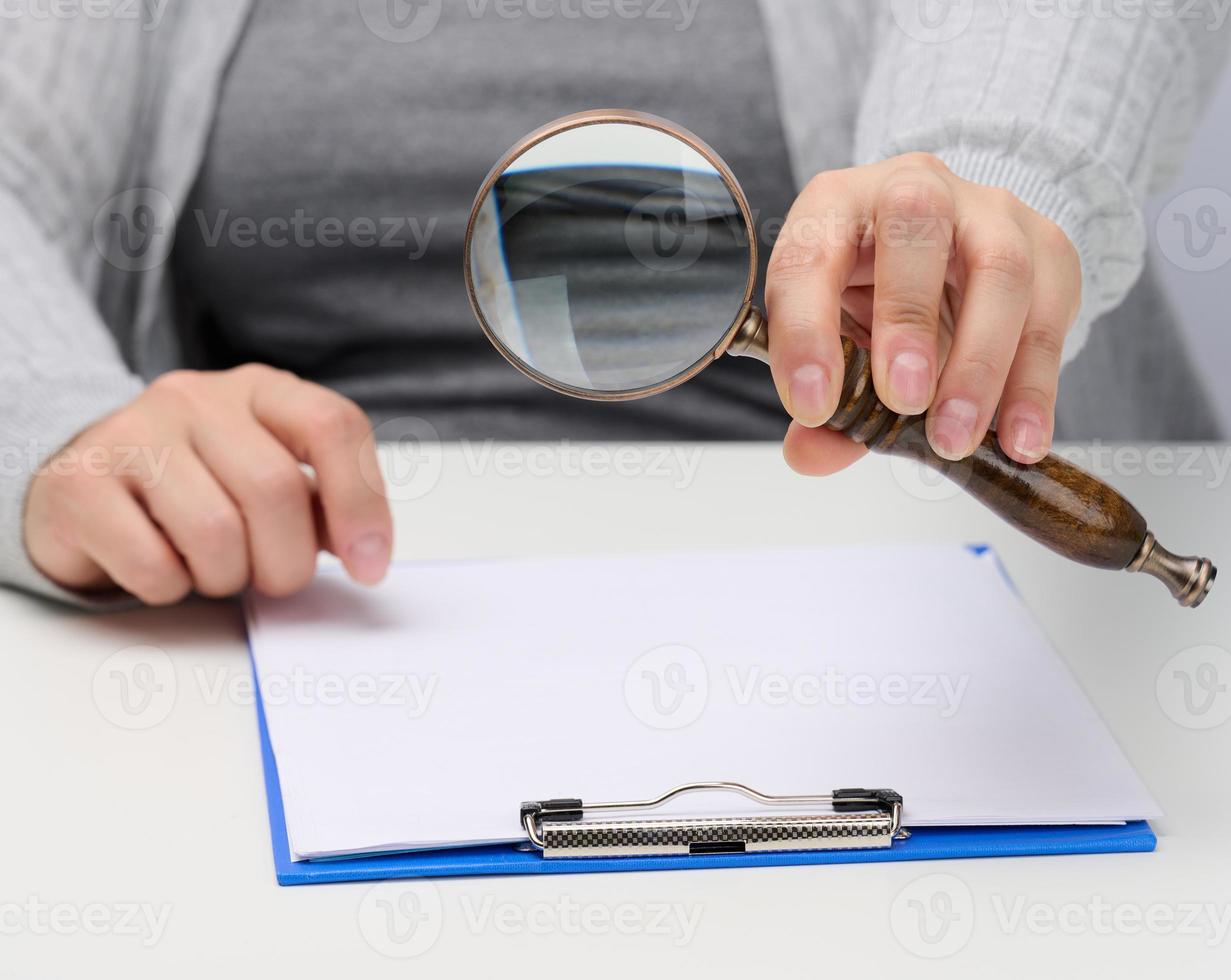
[{"x": 609, "y": 259}]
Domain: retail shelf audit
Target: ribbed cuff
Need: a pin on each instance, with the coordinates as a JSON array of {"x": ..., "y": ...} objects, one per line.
[{"x": 1078, "y": 114}]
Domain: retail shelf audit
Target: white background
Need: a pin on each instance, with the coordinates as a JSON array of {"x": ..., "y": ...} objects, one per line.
[{"x": 1203, "y": 299}]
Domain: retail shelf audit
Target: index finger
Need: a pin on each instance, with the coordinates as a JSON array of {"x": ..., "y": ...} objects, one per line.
[
  {"x": 811, "y": 263},
  {"x": 332, "y": 435}
]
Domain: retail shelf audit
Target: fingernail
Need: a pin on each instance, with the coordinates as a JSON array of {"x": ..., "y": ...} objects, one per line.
[
  {"x": 368, "y": 558},
  {"x": 809, "y": 386},
  {"x": 910, "y": 381},
  {"x": 1029, "y": 442},
  {"x": 952, "y": 428}
]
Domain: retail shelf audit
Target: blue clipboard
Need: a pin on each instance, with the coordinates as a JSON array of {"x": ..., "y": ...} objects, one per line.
[
  {"x": 924, "y": 843},
  {"x": 509, "y": 859}
]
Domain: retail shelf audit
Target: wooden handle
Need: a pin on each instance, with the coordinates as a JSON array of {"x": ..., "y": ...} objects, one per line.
[{"x": 1061, "y": 506}]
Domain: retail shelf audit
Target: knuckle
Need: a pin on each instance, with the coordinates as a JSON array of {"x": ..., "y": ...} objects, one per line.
[
  {"x": 176, "y": 382},
  {"x": 1033, "y": 393},
  {"x": 915, "y": 194},
  {"x": 147, "y": 436},
  {"x": 170, "y": 394},
  {"x": 178, "y": 388},
  {"x": 911, "y": 312},
  {"x": 1056, "y": 241},
  {"x": 274, "y": 483},
  {"x": 278, "y": 583},
  {"x": 132, "y": 426},
  {"x": 914, "y": 211},
  {"x": 923, "y": 160},
  {"x": 221, "y": 586},
  {"x": 981, "y": 368},
  {"x": 215, "y": 531},
  {"x": 793, "y": 326},
  {"x": 826, "y": 181},
  {"x": 254, "y": 371},
  {"x": 338, "y": 419},
  {"x": 1042, "y": 342},
  {"x": 796, "y": 259},
  {"x": 74, "y": 482},
  {"x": 1007, "y": 264},
  {"x": 105, "y": 430},
  {"x": 155, "y": 579},
  {"x": 1003, "y": 199},
  {"x": 150, "y": 566}
]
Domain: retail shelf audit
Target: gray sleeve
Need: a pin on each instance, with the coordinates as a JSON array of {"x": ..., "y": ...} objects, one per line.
[
  {"x": 1080, "y": 110},
  {"x": 69, "y": 97}
]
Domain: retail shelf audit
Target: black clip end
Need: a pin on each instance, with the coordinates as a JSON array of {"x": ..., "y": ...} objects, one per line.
[
  {"x": 549, "y": 810},
  {"x": 849, "y": 800}
]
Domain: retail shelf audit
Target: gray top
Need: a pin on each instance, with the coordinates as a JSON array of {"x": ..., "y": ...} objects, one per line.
[
  {"x": 104, "y": 122},
  {"x": 378, "y": 189},
  {"x": 340, "y": 260}
]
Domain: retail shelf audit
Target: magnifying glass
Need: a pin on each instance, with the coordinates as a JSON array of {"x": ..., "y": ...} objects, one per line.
[{"x": 612, "y": 255}]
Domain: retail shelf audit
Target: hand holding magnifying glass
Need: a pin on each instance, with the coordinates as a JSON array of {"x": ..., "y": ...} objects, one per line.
[{"x": 611, "y": 255}]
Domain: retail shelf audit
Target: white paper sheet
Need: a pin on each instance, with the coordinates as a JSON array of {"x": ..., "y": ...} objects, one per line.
[{"x": 422, "y": 713}]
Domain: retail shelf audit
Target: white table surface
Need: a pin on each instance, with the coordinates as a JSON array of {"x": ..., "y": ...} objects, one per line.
[{"x": 106, "y": 828}]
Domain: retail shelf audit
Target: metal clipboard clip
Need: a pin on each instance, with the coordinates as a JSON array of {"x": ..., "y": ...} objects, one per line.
[{"x": 857, "y": 818}]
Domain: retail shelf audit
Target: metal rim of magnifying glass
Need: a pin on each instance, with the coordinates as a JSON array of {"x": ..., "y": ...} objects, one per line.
[{"x": 594, "y": 117}]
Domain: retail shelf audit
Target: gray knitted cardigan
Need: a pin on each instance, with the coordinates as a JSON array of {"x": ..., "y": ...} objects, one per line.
[{"x": 109, "y": 107}]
